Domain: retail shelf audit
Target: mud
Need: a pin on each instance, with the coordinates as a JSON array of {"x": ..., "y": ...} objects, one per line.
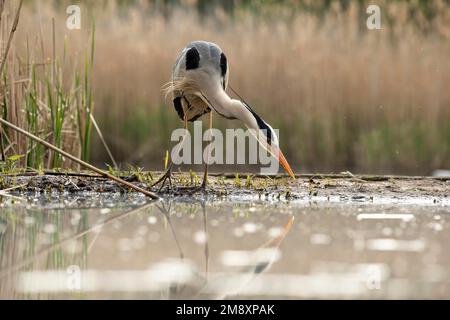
[{"x": 304, "y": 188}]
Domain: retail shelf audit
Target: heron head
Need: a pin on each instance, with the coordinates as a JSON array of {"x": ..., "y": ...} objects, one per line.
[
  {"x": 268, "y": 139},
  {"x": 266, "y": 136}
]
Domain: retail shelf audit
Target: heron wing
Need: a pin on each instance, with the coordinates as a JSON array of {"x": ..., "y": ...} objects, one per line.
[{"x": 190, "y": 106}]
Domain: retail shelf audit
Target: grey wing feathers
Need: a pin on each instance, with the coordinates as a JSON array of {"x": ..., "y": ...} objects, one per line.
[{"x": 197, "y": 55}]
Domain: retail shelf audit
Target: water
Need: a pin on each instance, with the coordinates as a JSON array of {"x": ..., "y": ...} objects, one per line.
[{"x": 99, "y": 246}]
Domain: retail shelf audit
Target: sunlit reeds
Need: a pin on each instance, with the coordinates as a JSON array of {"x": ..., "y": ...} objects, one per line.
[
  {"x": 343, "y": 97},
  {"x": 45, "y": 97}
]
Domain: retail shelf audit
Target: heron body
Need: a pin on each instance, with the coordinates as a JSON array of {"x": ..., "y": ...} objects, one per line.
[
  {"x": 199, "y": 83},
  {"x": 200, "y": 79},
  {"x": 200, "y": 65}
]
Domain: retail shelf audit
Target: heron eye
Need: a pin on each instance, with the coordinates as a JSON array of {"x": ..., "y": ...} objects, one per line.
[
  {"x": 192, "y": 59},
  {"x": 223, "y": 64}
]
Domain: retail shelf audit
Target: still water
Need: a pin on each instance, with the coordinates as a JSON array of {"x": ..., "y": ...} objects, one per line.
[{"x": 90, "y": 246}]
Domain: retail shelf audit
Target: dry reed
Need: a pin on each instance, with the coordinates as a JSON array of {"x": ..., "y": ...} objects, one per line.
[{"x": 345, "y": 98}]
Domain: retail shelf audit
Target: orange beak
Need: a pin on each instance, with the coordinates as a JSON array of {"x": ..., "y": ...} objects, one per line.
[{"x": 285, "y": 164}]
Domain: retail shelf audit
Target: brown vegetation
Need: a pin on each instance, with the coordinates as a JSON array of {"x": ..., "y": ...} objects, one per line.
[{"x": 343, "y": 97}]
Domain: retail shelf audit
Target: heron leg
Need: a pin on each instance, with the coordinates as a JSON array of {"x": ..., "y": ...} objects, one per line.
[
  {"x": 167, "y": 176},
  {"x": 205, "y": 175},
  {"x": 204, "y": 184}
]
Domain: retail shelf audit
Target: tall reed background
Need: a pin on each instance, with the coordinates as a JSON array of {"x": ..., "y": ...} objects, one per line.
[{"x": 343, "y": 97}]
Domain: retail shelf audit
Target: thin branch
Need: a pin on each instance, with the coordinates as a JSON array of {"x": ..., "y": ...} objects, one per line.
[
  {"x": 103, "y": 141},
  {"x": 80, "y": 162}
]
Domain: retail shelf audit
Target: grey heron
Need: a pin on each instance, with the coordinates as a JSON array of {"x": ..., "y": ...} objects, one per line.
[{"x": 198, "y": 86}]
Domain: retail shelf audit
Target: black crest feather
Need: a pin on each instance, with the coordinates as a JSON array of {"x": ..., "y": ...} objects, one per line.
[
  {"x": 223, "y": 64},
  {"x": 192, "y": 59}
]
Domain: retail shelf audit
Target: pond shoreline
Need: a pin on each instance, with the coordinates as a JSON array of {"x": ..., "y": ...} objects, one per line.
[
  {"x": 338, "y": 186},
  {"x": 338, "y": 229}
]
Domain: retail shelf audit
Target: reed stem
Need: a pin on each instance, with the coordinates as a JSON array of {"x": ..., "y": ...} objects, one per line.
[{"x": 80, "y": 162}]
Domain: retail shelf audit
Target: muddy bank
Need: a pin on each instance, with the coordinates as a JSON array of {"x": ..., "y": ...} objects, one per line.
[{"x": 341, "y": 187}]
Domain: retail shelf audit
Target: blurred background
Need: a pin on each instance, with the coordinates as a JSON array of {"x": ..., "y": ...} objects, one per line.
[{"x": 344, "y": 97}]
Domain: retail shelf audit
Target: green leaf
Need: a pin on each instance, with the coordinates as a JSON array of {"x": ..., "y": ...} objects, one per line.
[
  {"x": 166, "y": 160},
  {"x": 15, "y": 157}
]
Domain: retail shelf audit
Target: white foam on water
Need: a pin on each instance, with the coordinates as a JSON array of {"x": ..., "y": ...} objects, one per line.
[
  {"x": 158, "y": 277},
  {"x": 125, "y": 244},
  {"x": 105, "y": 211},
  {"x": 441, "y": 173},
  {"x": 29, "y": 220},
  {"x": 152, "y": 220},
  {"x": 320, "y": 239},
  {"x": 50, "y": 228},
  {"x": 250, "y": 227},
  {"x": 200, "y": 237},
  {"x": 275, "y": 232},
  {"x": 385, "y": 216},
  {"x": 389, "y": 244},
  {"x": 243, "y": 258}
]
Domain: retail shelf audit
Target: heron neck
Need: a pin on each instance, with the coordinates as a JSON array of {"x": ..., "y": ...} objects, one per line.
[
  {"x": 244, "y": 114},
  {"x": 232, "y": 108}
]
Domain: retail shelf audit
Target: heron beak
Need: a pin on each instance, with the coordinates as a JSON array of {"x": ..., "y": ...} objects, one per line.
[{"x": 285, "y": 164}]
